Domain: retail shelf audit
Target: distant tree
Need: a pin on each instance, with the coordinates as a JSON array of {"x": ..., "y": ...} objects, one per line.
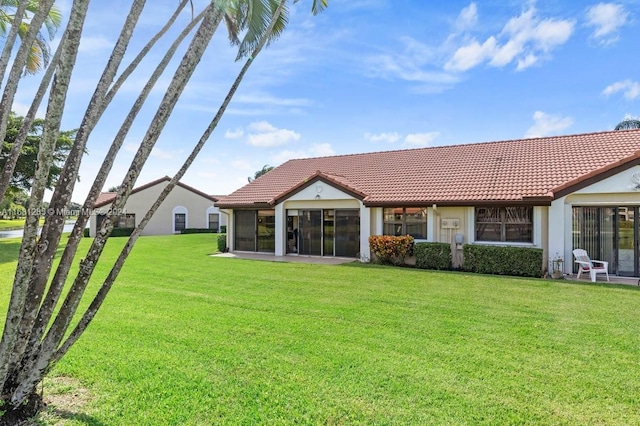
[
  {"x": 25, "y": 167},
  {"x": 628, "y": 123},
  {"x": 263, "y": 171},
  {"x": 14, "y": 204},
  {"x": 114, "y": 188}
]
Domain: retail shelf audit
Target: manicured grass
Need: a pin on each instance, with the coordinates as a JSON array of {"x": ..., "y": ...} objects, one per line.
[
  {"x": 11, "y": 224},
  {"x": 188, "y": 339}
]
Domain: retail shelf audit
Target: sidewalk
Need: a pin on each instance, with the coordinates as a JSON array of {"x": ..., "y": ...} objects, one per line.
[
  {"x": 269, "y": 257},
  {"x": 601, "y": 279}
]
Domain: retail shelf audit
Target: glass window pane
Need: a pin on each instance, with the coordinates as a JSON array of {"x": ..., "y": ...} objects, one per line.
[
  {"x": 417, "y": 230},
  {"x": 214, "y": 221},
  {"x": 180, "y": 221},
  {"x": 488, "y": 232}
]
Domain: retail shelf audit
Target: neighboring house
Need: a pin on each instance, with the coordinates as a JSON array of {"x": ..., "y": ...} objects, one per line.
[
  {"x": 184, "y": 207},
  {"x": 554, "y": 193}
]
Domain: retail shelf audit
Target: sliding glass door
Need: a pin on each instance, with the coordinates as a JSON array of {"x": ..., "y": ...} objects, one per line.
[
  {"x": 610, "y": 234},
  {"x": 327, "y": 232}
]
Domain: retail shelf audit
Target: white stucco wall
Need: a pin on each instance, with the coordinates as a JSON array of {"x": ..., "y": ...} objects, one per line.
[
  {"x": 194, "y": 205},
  {"x": 617, "y": 190}
]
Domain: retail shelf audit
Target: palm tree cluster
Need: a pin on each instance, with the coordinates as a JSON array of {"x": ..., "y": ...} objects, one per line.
[{"x": 43, "y": 319}]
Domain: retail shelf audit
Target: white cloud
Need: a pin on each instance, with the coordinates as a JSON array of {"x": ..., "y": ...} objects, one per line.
[
  {"x": 241, "y": 165},
  {"x": 95, "y": 45},
  {"x": 472, "y": 55},
  {"x": 547, "y": 124},
  {"x": 20, "y": 108},
  {"x": 318, "y": 150},
  {"x": 606, "y": 20},
  {"x": 383, "y": 137},
  {"x": 525, "y": 39},
  {"x": 413, "y": 62},
  {"x": 164, "y": 155},
  {"x": 272, "y": 100},
  {"x": 265, "y": 135},
  {"x": 630, "y": 89},
  {"x": 420, "y": 139},
  {"x": 322, "y": 150},
  {"x": 467, "y": 18},
  {"x": 234, "y": 134},
  {"x": 131, "y": 147}
]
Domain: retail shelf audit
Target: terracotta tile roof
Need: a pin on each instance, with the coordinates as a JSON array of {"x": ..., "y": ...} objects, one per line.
[
  {"x": 528, "y": 171},
  {"x": 107, "y": 197}
]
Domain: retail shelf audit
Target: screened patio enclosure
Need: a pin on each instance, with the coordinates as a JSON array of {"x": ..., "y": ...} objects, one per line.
[
  {"x": 324, "y": 232},
  {"x": 611, "y": 234}
]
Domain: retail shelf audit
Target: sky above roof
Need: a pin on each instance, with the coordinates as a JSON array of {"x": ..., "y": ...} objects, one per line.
[{"x": 368, "y": 75}]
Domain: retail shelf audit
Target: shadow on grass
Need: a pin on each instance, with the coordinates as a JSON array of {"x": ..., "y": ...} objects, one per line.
[
  {"x": 10, "y": 247},
  {"x": 77, "y": 417}
]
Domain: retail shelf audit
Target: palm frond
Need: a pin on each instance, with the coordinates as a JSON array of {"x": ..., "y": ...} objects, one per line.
[{"x": 258, "y": 20}]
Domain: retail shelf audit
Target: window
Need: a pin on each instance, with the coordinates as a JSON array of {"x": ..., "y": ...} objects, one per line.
[
  {"x": 180, "y": 222},
  {"x": 406, "y": 221},
  {"x": 214, "y": 221},
  {"x": 127, "y": 220},
  {"x": 504, "y": 224}
]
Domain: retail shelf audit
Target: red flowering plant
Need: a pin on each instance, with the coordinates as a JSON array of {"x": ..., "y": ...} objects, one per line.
[{"x": 391, "y": 250}]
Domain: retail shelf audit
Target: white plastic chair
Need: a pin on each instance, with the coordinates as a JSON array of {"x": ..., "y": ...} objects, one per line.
[{"x": 590, "y": 266}]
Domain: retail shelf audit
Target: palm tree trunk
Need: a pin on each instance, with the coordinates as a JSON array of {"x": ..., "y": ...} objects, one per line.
[
  {"x": 115, "y": 270},
  {"x": 57, "y": 284},
  {"x": 54, "y": 223},
  {"x": 60, "y": 324},
  {"x": 28, "y": 251}
]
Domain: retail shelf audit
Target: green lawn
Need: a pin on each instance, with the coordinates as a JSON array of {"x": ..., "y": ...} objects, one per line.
[
  {"x": 11, "y": 224},
  {"x": 188, "y": 339}
]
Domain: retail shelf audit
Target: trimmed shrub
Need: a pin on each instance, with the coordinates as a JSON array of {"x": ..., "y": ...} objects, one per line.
[
  {"x": 223, "y": 229},
  {"x": 85, "y": 232},
  {"x": 433, "y": 256},
  {"x": 198, "y": 231},
  {"x": 121, "y": 232},
  {"x": 222, "y": 243},
  {"x": 503, "y": 260},
  {"x": 391, "y": 250}
]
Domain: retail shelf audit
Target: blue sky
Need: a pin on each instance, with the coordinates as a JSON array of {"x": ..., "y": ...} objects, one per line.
[{"x": 372, "y": 75}]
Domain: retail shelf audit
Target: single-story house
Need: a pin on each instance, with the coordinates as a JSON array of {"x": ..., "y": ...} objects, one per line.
[
  {"x": 184, "y": 207},
  {"x": 554, "y": 193}
]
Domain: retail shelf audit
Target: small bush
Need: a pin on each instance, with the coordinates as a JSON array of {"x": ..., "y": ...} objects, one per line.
[
  {"x": 499, "y": 260},
  {"x": 85, "y": 232},
  {"x": 433, "y": 256},
  {"x": 222, "y": 243},
  {"x": 121, "y": 232},
  {"x": 198, "y": 231},
  {"x": 391, "y": 250},
  {"x": 223, "y": 229}
]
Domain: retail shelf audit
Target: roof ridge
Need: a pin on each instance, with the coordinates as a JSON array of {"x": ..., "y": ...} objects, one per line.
[{"x": 503, "y": 141}]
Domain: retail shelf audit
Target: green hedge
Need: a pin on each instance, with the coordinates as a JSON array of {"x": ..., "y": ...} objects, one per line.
[
  {"x": 198, "y": 231},
  {"x": 223, "y": 229},
  {"x": 85, "y": 232},
  {"x": 121, "y": 232},
  {"x": 222, "y": 243},
  {"x": 503, "y": 260},
  {"x": 433, "y": 255}
]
